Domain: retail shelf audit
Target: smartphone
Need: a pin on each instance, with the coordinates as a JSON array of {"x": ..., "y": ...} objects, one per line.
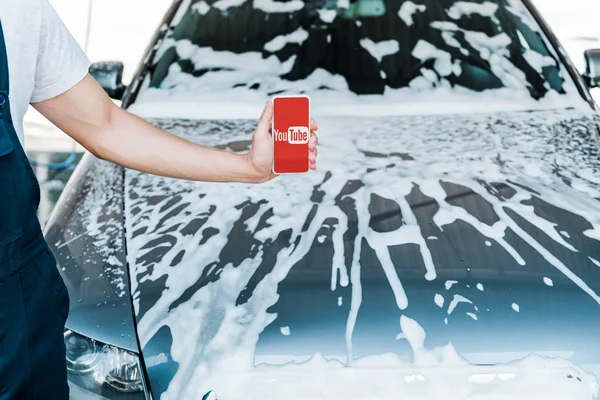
[{"x": 291, "y": 132}]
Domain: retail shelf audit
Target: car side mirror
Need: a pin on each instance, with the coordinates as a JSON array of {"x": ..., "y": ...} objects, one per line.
[
  {"x": 592, "y": 71},
  {"x": 109, "y": 75}
]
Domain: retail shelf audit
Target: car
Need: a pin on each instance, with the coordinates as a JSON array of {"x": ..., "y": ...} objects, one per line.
[{"x": 447, "y": 246}]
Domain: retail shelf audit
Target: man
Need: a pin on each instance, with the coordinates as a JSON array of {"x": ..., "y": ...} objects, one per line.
[{"x": 41, "y": 64}]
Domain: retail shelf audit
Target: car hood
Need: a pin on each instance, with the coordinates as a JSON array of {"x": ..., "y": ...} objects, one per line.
[{"x": 482, "y": 229}]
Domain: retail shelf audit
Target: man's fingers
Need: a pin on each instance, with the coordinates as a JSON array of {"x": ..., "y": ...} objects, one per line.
[
  {"x": 312, "y": 142},
  {"x": 313, "y": 125},
  {"x": 312, "y": 155},
  {"x": 264, "y": 123},
  {"x": 312, "y": 147}
]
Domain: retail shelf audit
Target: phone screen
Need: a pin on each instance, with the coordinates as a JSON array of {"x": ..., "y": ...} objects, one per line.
[{"x": 291, "y": 132}]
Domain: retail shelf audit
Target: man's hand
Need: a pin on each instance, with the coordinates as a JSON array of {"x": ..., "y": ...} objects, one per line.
[
  {"x": 88, "y": 115},
  {"x": 261, "y": 153}
]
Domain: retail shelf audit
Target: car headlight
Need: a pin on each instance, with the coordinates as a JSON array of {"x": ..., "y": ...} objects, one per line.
[
  {"x": 103, "y": 369},
  {"x": 122, "y": 370}
]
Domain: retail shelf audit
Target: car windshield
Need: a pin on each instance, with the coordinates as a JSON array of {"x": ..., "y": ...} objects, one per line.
[{"x": 241, "y": 49}]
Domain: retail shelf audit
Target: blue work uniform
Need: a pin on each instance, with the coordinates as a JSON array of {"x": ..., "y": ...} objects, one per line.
[{"x": 34, "y": 301}]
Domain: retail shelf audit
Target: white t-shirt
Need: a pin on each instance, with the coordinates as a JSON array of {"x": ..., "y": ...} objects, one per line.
[{"x": 44, "y": 60}]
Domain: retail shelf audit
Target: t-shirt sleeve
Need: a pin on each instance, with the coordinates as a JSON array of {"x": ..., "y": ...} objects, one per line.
[{"x": 61, "y": 63}]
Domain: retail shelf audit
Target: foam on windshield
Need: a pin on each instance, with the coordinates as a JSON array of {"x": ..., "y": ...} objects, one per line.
[
  {"x": 408, "y": 9},
  {"x": 253, "y": 76}
]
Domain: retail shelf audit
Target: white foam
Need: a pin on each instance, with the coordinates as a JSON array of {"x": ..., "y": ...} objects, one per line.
[
  {"x": 201, "y": 7},
  {"x": 285, "y": 330},
  {"x": 408, "y": 9},
  {"x": 548, "y": 281},
  {"x": 463, "y": 8},
  {"x": 593, "y": 233},
  {"x": 225, "y": 4},
  {"x": 273, "y": 6},
  {"x": 356, "y": 299},
  {"x": 380, "y": 49},
  {"x": 449, "y": 284},
  {"x": 425, "y": 51},
  {"x": 455, "y": 301},
  {"x": 338, "y": 265},
  {"x": 327, "y": 15},
  {"x": 537, "y": 60},
  {"x": 551, "y": 258},
  {"x": 480, "y": 286},
  {"x": 439, "y": 300},
  {"x": 383, "y": 255},
  {"x": 298, "y": 37},
  {"x": 472, "y": 315},
  {"x": 439, "y": 377},
  {"x": 515, "y": 307}
]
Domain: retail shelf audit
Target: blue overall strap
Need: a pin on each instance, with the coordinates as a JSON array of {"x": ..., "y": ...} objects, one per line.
[{"x": 21, "y": 237}]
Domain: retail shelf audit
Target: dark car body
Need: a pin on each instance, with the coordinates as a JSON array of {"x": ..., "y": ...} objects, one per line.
[{"x": 481, "y": 227}]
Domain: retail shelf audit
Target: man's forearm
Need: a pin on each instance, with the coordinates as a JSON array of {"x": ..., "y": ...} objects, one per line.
[
  {"x": 132, "y": 142},
  {"x": 87, "y": 115}
]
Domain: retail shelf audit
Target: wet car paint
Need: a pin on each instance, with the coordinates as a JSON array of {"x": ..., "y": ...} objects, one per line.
[
  {"x": 86, "y": 234},
  {"x": 89, "y": 222},
  {"x": 174, "y": 267}
]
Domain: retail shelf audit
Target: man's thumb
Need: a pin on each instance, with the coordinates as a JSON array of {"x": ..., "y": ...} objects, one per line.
[{"x": 265, "y": 120}]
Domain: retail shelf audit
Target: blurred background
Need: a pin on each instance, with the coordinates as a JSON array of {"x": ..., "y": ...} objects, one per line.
[
  {"x": 107, "y": 30},
  {"x": 119, "y": 30}
]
